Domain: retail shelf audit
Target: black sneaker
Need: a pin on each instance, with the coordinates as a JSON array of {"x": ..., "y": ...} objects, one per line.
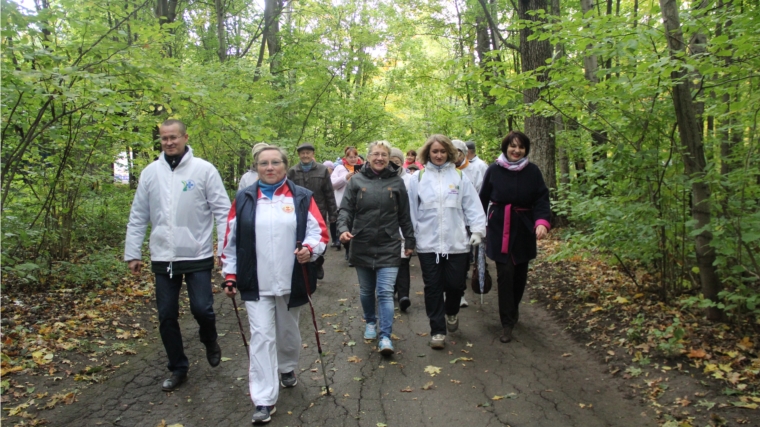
[
  {"x": 173, "y": 383},
  {"x": 263, "y": 414},
  {"x": 213, "y": 354},
  {"x": 320, "y": 273},
  {"x": 288, "y": 379},
  {"x": 404, "y": 303}
]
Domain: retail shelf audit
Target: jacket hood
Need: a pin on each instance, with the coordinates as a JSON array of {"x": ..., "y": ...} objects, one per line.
[{"x": 388, "y": 172}]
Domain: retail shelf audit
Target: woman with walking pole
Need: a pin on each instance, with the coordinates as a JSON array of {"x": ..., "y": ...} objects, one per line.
[
  {"x": 374, "y": 206},
  {"x": 260, "y": 260}
]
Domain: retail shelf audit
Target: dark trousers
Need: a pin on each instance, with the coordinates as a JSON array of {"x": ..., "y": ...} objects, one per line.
[
  {"x": 446, "y": 276},
  {"x": 201, "y": 305},
  {"x": 511, "y": 280},
  {"x": 403, "y": 279},
  {"x": 334, "y": 232}
]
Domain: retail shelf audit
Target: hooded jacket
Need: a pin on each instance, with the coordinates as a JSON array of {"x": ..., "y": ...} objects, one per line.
[
  {"x": 442, "y": 201},
  {"x": 373, "y": 209},
  {"x": 181, "y": 206}
]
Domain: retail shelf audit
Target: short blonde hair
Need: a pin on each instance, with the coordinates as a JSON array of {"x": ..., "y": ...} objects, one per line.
[
  {"x": 381, "y": 143},
  {"x": 258, "y": 147},
  {"x": 451, "y": 151},
  {"x": 283, "y": 155}
]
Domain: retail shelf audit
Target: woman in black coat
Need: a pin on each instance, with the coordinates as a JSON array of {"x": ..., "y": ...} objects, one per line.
[{"x": 516, "y": 202}]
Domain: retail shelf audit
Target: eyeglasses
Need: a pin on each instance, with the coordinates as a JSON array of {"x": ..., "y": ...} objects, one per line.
[
  {"x": 274, "y": 164},
  {"x": 381, "y": 155}
]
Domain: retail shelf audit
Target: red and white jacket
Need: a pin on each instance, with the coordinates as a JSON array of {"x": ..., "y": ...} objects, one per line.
[{"x": 275, "y": 240}]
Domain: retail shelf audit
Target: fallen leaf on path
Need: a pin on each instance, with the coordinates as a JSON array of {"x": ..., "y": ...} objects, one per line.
[
  {"x": 432, "y": 370},
  {"x": 226, "y": 359},
  {"x": 354, "y": 359},
  {"x": 424, "y": 334},
  {"x": 407, "y": 389},
  {"x": 469, "y": 344},
  {"x": 567, "y": 354},
  {"x": 745, "y": 344},
  {"x": 697, "y": 353},
  {"x": 456, "y": 381},
  {"x": 420, "y": 293},
  {"x": 461, "y": 359},
  {"x": 351, "y": 343},
  {"x": 506, "y": 396},
  {"x": 428, "y": 386}
]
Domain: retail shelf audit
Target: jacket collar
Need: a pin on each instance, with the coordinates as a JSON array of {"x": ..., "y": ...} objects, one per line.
[
  {"x": 388, "y": 172},
  {"x": 185, "y": 158}
]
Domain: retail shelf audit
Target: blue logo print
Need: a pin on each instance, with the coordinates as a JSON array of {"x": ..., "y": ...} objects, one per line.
[{"x": 188, "y": 185}]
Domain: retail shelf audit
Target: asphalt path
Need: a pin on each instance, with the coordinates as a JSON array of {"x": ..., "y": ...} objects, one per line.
[{"x": 542, "y": 378}]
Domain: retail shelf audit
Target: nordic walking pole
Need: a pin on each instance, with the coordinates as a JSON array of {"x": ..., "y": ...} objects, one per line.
[
  {"x": 231, "y": 284},
  {"x": 305, "y": 271}
]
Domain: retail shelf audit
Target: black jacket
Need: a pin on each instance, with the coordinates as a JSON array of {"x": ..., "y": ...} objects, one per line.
[
  {"x": 526, "y": 191},
  {"x": 247, "y": 279},
  {"x": 374, "y": 206},
  {"x": 317, "y": 179}
]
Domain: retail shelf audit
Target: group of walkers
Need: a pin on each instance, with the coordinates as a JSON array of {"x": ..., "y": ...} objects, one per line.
[{"x": 441, "y": 201}]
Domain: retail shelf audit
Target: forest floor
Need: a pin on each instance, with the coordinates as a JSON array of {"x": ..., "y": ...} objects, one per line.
[{"x": 65, "y": 349}]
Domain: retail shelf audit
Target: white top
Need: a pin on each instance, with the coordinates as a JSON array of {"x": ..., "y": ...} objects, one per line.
[
  {"x": 181, "y": 206},
  {"x": 441, "y": 203}
]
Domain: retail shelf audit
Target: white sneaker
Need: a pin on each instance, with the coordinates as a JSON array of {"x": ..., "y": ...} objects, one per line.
[
  {"x": 452, "y": 323},
  {"x": 463, "y": 302},
  {"x": 437, "y": 341}
]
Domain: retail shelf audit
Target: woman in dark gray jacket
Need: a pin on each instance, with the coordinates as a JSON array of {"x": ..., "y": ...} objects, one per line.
[{"x": 373, "y": 208}]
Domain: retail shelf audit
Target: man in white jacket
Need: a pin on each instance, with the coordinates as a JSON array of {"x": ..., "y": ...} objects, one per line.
[{"x": 179, "y": 195}]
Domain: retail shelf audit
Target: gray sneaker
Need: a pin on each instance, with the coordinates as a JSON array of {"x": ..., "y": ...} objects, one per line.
[
  {"x": 263, "y": 414},
  {"x": 452, "y": 322},
  {"x": 437, "y": 341},
  {"x": 288, "y": 379}
]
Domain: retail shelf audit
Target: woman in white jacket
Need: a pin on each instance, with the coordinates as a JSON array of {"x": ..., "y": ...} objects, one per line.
[
  {"x": 261, "y": 262},
  {"x": 442, "y": 200},
  {"x": 342, "y": 173}
]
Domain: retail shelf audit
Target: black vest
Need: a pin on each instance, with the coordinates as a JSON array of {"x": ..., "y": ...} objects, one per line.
[{"x": 247, "y": 278}]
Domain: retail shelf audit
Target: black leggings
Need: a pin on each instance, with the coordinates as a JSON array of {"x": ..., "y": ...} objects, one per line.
[{"x": 511, "y": 281}]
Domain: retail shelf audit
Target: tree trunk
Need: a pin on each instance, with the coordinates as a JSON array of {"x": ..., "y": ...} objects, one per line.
[
  {"x": 591, "y": 67},
  {"x": 221, "y": 34},
  {"x": 692, "y": 152},
  {"x": 534, "y": 54}
]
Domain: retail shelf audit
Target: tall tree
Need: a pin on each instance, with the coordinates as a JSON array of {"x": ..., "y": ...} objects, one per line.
[
  {"x": 693, "y": 154},
  {"x": 534, "y": 54}
]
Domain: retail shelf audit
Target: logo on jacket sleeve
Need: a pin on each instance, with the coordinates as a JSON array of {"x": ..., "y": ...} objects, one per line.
[
  {"x": 188, "y": 185},
  {"x": 288, "y": 208}
]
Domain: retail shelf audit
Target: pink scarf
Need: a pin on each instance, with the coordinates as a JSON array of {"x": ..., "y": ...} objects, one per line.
[{"x": 513, "y": 166}]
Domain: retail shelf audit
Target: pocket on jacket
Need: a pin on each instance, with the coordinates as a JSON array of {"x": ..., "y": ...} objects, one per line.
[
  {"x": 393, "y": 233},
  {"x": 185, "y": 244}
]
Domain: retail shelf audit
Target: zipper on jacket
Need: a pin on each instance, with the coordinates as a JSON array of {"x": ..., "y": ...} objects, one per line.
[{"x": 170, "y": 270}]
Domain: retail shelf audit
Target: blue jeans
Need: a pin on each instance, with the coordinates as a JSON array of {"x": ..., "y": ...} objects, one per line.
[
  {"x": 380, "y": 281},
  {"x": 201, "y": 305}
]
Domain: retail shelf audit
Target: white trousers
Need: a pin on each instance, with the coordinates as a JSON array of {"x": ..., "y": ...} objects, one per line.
[{"x": 275, "y": 346}]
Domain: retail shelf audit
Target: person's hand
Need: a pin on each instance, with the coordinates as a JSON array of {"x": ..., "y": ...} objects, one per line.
[
  {"x": 475, "y": 239},
  {"x": 350, "y": 174},
  {"x": 303, "y": 255},
  {"x": 541, "y": 232},
  {"x": 346, "y": 237},
  {"x": 408, "y": 252},
  {"x": 135, "y": 265},
  {"x": 230, "y": 291}
]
